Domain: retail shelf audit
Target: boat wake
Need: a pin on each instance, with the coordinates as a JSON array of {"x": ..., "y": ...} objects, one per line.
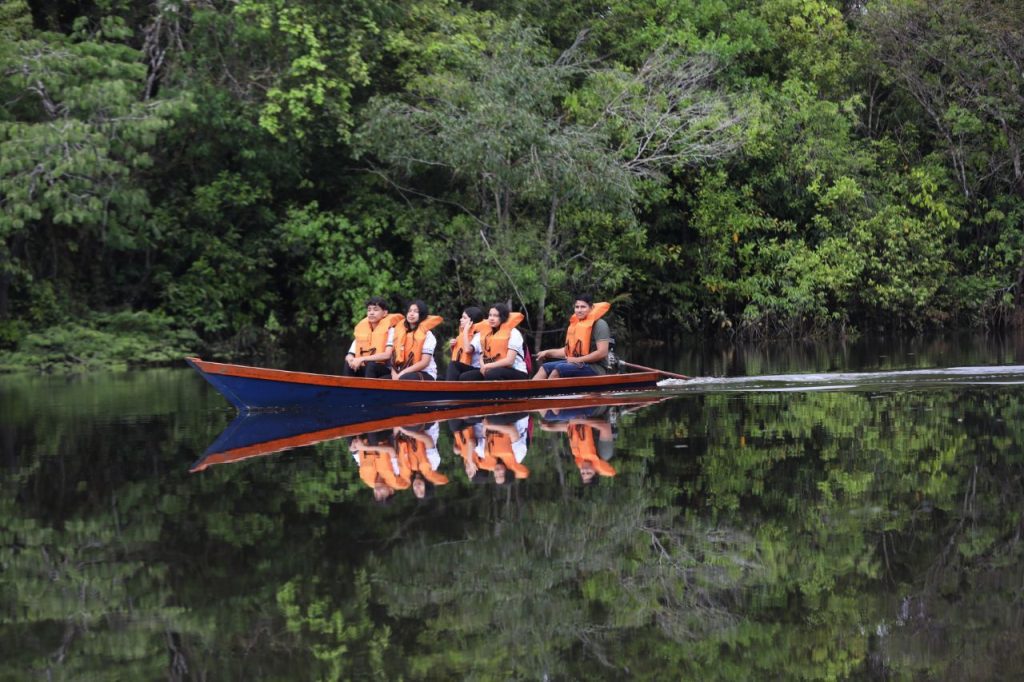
[{"x": 998, "y": 375}]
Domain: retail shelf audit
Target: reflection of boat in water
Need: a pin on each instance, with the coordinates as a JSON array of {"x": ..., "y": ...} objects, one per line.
[
  {"x": 264, "y": 433},
  {"x": 257, "y": 388}
]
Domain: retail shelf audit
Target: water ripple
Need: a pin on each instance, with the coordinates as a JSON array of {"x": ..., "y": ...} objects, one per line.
[{"x": 996, "y": 375}]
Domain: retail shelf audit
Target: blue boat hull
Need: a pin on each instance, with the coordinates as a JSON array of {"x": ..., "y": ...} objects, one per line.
[{"x": 259, "y": 389}]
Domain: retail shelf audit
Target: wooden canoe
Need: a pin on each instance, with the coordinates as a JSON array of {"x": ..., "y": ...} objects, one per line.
[{"x": 254, "y": 389}]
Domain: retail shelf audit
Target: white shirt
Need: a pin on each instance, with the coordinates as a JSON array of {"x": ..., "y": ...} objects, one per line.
[
  {"x": 429, "y": 346},
  {"x": 433, "y": 456},
  {"x": 515, "y": 342},
  {"x": 389, "y": 344},
  {"x": 518, "y": 446},
  {"x": 474, "y": 357}
]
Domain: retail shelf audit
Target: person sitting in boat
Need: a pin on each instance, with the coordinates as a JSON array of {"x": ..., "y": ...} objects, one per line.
[
  {"x": 380, "y": 467},
  {"x": 500, "y": 346},
  {"x": 503, "y": 447},
  {"x": 418, "y": 447},
  {"x": 370, "y": 351},
  {"x": 415, "y": 344},
  {"x": 466, "y": 355},
  {"x": 587, "y": 340},
  {"x": 591, "y": 439}
]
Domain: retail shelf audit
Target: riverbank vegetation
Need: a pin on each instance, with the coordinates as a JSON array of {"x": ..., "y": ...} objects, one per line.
[{"x": 249, "y": 172}]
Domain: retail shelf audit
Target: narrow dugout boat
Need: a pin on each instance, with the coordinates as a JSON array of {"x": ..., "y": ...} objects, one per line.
[
  {"x": 264, "y": 433},
  {"x": 253, "y": 389}
]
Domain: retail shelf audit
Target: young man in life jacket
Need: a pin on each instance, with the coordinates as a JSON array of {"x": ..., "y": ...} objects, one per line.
[
  {"x": 590, "y": 453},
  {"x": 586, "y": 346},
  {"x": 370, "y": 353},
  {"x": 380, "y": 466}
]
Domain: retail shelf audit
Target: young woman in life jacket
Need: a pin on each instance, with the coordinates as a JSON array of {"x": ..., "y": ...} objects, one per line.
[
  {"x": 465, "y": 356},
  {"x": 501, "y": 348},
  {"x": 415, "y": 345},
  {"x": 417, "y": 447},
  {"x": 586, "y": 344},
  {"x": 503, "y": 447}
]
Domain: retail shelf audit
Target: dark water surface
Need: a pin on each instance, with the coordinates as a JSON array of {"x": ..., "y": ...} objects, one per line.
[{"x": 799, "y": 512}]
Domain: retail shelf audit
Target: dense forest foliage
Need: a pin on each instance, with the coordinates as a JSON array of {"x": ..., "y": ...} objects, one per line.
[{"x": 244, "y": 174}]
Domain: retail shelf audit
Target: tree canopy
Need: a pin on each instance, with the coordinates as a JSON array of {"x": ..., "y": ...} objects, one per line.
[{"x": 253, "y": 170}]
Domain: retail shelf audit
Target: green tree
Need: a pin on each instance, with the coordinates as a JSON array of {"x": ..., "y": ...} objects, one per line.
[
  {"x": 75, "y": 133},
  {"x": 532, "y": 159}
]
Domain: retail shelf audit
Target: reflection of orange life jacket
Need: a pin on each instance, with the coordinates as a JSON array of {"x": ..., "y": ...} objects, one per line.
[
  {"x": 465, "y": 441},
  {"x": 373, "y": 341},
  {"x": 409, "y": 344},
  {"x": 577, "y": 337},
  {"x": 372, "y": 463},
  {"x": 584, "y": 449},
  {"x": 414, "y": 452},
  {"x": 494, "y": 342},
  {"x": 498, "y": 447}
]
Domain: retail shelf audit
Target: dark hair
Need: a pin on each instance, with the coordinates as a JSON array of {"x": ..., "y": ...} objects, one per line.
[
  {"x": 474, "y": 313},
  {"x": 383, "y": 437},
  {"x": 586, "y": 298},
  {"x": 420, "y": 305},
  {"x": 503, "y": 311},
  {"x": 377, "y": 301},
  {"x": 428, "y": 487},
  {"x": 509, "y": 474}
]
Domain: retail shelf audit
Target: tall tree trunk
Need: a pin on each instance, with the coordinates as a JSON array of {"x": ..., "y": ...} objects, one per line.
[
  {"x": 5, "y": 287},
  {"x": 549, "y": 247}
]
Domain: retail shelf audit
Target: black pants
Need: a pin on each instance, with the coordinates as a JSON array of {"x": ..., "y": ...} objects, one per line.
[
  {"x": 456, "y": 369},
  {"x": 370, "y": 370},
  {"x": 416, "y": 376},
  {"x": 500, "y": 374}
]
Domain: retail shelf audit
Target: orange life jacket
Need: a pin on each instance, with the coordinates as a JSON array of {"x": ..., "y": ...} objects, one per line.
[
  {"x": 459, "y": 354},
  {"x": 498, "y": 447},
  {"x": 584, "y": 449},
  {"x": 465, "y": 441},
  {"x": 577, "y": 337},
  {"x": 372, "y": 341},
  {"x": 414, "y": 452},
  {"x": 409, "y": 345},
  {"x": 494, "y": 342},
  {"x": 373, "y": 463}
]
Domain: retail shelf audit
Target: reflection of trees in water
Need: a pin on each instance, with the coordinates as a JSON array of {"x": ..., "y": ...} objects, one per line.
[
  {"x": 547, "y": 579},
  {"x": 901, "y": 504},
  {"x": 797, "y": 536}
]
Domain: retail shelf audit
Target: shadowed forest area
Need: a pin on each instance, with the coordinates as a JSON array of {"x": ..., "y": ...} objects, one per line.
[{"x": 237, "y": 177}]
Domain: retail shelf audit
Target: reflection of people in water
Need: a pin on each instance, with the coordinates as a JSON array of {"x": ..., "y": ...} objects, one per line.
[
  {"x": 465, "y": 436},
  {"x": 503, "y": 446},
  {"x": 380, "y": 466},
  {"x": 591, "y": 440},
  {"x": 417, "y": 446}
]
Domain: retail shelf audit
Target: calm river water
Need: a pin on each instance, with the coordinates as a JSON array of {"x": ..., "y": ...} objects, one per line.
[{"x": 797, "y": 512}]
